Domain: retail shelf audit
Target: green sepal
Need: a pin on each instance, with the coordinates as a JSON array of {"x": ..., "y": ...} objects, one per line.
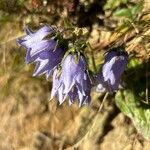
[{"x": 76, "y": 57}]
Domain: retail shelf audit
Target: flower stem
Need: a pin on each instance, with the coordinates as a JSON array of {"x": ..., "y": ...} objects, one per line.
[
  {"x": 97, "y": 126},
  {"x": 101, "y": 106},
  {"x": 92, "y": 57}
]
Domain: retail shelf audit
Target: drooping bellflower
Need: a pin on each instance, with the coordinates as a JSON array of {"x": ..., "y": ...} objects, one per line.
[
  {"x": 44, "y": 52},
  {"x": 114, "y": 65},
  {"x": 73, "y": 81}
]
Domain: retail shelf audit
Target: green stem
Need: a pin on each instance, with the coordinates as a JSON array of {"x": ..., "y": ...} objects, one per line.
[{"x": 92, "y": 57}]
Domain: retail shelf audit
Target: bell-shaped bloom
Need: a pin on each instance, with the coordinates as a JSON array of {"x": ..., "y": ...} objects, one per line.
[
  {"x": 44, "y": 52},
  {"x": 114, "y": 65},
  {"x": 73, "y": 81}
]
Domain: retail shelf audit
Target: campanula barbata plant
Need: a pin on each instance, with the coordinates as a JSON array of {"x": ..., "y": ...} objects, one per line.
[{"x": 63, "y": 58}]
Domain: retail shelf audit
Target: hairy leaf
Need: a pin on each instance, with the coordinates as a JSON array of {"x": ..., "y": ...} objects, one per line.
[{"x": 136, "y": 110}]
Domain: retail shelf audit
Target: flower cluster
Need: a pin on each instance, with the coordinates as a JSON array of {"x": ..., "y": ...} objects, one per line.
[{"x": 47, "y": 48}]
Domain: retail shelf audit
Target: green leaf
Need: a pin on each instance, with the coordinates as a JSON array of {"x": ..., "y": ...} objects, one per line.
[
  {"x": 133, "y": 63},
  {"x": 137, "y": 8},
  {"x": 124, "y": 1},
  {"x": 21, "y": 2},
  {"x": 112, "y": 4},
  {"x": 4, "y": 18},
  {"x": 67, "y": 23},
  {"x": 124, "y": 12},
  {"x": 139, "y": 112}
]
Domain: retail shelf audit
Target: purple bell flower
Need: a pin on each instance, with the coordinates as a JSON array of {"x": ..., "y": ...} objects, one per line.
[
  {"x": 112, "y": 69},
  {"x": 44, "y": 52},
  {"x": 73, "y": 81}
]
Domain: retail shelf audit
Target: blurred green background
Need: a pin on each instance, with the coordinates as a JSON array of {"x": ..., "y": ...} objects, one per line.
[{"x": 30, "y": 122}]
